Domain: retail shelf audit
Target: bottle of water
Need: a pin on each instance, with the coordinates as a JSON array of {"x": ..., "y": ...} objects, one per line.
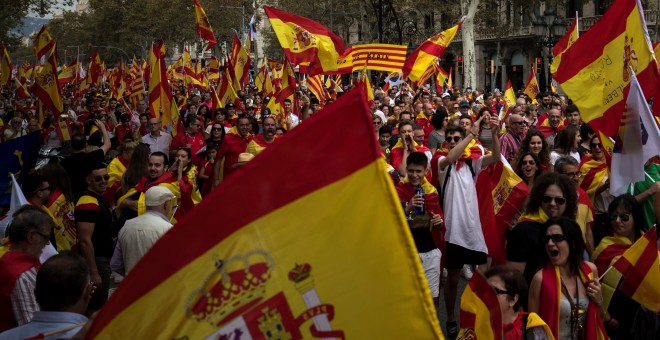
[{"x": 419, "y": 191}]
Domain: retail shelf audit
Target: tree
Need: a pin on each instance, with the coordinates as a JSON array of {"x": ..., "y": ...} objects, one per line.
[
  {"x": 469, "y": 9},
  {"x": 12, "y": 13}
]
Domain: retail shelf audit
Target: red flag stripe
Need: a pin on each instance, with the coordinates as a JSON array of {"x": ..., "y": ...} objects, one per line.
[{"x": 634, "y": 273}]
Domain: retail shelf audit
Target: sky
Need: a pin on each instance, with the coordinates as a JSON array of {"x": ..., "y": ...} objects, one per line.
[{"x": 60, "y": 8}]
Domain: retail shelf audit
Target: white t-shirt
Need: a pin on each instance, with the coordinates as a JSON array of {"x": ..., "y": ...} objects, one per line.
[
  {"x": 461, "y": 206},
  {"x": 554, "y": 156}
]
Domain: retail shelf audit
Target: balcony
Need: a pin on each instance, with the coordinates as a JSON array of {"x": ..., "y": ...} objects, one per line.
[{"x": 586, "y": 22}]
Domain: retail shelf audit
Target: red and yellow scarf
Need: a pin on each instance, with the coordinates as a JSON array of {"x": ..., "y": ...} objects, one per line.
[
  {"x": 593, "y": 174},
  {"x": 609, "y": 250}
]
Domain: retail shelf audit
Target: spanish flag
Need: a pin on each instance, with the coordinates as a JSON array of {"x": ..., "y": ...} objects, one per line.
[
  {"x": 263, "y": 80},
  {"x": 306, "y": 41},
  {"x": 637, "y": 272},
  {"x": 595, "y": 70},
  {"x": 240, "y": 61},
  {"x": 431, "y": 49},
  {"x": 46, "y": 88},
  {"x": 286, "y": 266},
  {"x": 204, "y": 29},
  {"x": 161, "y": 103},
  {"x": 532, "y": 86},
  {"x": 509, "y": 101},
  {"x": 481, "y": 316},
  {"x": 594, "y": 174},
  {"x": 43, "y": 43},
  {"x": 440, "y": 79},
  {"x": 5, "y": 67},
  {"x": 67, "y": 73},
  {"x": 571, "y": 36}
]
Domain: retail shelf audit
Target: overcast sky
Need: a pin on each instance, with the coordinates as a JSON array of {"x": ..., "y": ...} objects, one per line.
[{"x": 59, "y": 9}]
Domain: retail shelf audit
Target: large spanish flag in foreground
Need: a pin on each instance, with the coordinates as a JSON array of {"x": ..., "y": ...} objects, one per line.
[
  {"x": 594, "y": 71},
  {"x": 306, "y": 41},
  {"x": 302, "y": 259},
  {"x": 426, "y": 54},
  {"x": 481, "y": 317}
]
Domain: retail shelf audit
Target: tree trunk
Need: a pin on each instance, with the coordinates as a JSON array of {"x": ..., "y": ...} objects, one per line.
[{"x": 468, "y": 9}]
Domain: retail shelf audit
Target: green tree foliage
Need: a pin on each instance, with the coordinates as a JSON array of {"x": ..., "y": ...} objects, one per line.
[{"x": 12, "y": 13}]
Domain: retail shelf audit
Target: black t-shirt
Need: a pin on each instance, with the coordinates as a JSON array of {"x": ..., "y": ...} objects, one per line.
[
  {"x": 524, "y": 245},
  {"x": 77, "y": 166},
  {"x": 90, "y": 208}
]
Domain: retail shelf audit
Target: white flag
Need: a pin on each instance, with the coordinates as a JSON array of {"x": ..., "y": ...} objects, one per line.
[
  {"x": 17, "y": 200},
  {"x": 640, "y": 141}
]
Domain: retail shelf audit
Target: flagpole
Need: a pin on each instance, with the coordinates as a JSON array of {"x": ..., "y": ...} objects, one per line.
[{"x": 603, "y": 275}]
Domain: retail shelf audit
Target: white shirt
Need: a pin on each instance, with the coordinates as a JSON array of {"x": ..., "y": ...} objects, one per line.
[
  {"x": 554, "y": 156},
  {"x": 293, "y": 120},
  {"x": 158, "y": 143}
]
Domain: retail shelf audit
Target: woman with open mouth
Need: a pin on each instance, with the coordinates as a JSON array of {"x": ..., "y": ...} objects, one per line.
[
  {"x": 528, "y": 167},
  {"x": 566, "y": 292}
]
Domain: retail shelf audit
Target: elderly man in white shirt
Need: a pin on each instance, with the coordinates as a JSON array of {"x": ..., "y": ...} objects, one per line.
[{"x": 157, "y": 139}]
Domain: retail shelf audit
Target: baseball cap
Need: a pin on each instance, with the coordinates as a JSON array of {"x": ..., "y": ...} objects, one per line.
[
  {"x": 157, "y": 195},
  {"x": 465, "y": 103},
  {"x": 445, "y": 95}
]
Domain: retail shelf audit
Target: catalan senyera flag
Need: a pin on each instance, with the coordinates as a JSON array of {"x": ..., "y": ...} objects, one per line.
[
  {"x": 204, "y": 29},
  {"x": 532, "y": 86},
  {"x": 46, "y": 87},
  {"x": 315, "y": 85},
  {"x": 500, "y": 193},
  {"x": 382, "y": 57},
  {"x": 424, "y": 56},
  {"x": 263, "y": 270},
  {"x": 5, "y": 67},
  {"x": 571, "y": 35},
  {"x": 305, "y": 41},
  {"x": 481, "y": 316},
  {"x": 595, "y": 70},
  {"x": 638, "y": 271},
  {"x": 43, "y": 43}
]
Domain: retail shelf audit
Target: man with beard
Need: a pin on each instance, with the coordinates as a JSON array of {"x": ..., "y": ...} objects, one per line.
[
  {"x": 234, "y": 143},
  {"x": 264, "y": 139}
]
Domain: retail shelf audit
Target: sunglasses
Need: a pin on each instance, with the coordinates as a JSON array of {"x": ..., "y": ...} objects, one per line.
[
  {"x": 576, "y": 174},
  {"x": 623, "y": 217},
  {"x": 502, "y": 292},
  {"x": 547, "y": 199},
  {"x": 528, "y": 163},
  {"x": 556, "y": 238},
  {"x": 378, "y": 122},
  {"x": 517, "y": 123},
  {"x": 456, "y": 139},
  {"x": 98, "y": 179},
  {"x": 596, "y": 145}
]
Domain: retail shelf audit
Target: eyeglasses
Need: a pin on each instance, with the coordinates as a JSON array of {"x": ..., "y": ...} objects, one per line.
[
  {"x": 455, "y": 107},
  {"x": 98, "y": 179},
  {"x": 596, "y": 145},
  {"x": 44, "y": 189},
  {"x": 576, "y": 174},
  {"x": 623, "y": 217},
  {"x": 556, "y": 238},
  {"x": 44, "y": 236},
  {"x": 456, "y": 139},
  {"x": 528, "y": 162},
  {"x": 547, "y": 199},
  {"x": 502, "y": 292},
  {"x": 377, "y": 122},
  {"x": 517, "y": 123}
]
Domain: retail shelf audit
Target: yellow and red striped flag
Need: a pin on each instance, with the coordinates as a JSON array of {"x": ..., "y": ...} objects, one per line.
[
  {"x": 43, "y": 43},
  {"x": 21, "y": 90},
  {"x": 595, "y": 70},
  {"x": 571, "y": 36},
  {"x": 440, "y": 79},
  {"x": 450, "y": 83},
  {"x": 593, "y": 174},
  {"x": 431, "y": 49},
  {"x": 288, "y": 85},
  {"x": 213, "y": 69},
  {"x": 263, "y": 81},
  {"x": 637, "y": 273},
  {"x": 161, "y": 103},
  {"x": 306, "y": 42},
  {"x": 382, "y": 57},
  {"x": 67, "y": 73},
  {"x": 5, "y": 67},
  {"x": 481, "y": 317},
  {"x": 264, "y": 271},
  {"x": 204, "y": 29},
  {"x": 532, "y": 86},
  {"x": 315, "y": 85},
  {"x": 46, "y": 88}
]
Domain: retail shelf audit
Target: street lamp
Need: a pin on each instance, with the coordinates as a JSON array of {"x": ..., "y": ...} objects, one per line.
[{"x": 548, "y": 30}]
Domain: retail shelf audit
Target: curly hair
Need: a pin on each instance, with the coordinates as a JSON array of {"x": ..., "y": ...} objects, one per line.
[
  {"x": 517, "y": 164},
  {"x": 544, "y": 154},
  {"x": 564, "y": 184}
]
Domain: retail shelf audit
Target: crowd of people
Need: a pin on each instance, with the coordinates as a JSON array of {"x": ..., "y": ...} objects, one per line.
[{"x": 126, "y": 180}]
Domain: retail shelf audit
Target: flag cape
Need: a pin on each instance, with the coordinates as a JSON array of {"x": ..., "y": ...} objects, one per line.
[
  {"x": 609, "y": 249},
  {"x": 640, "y": 269},
  {"x": 431, "y": 49},
  {"x": 571, "y": 35},
  {"x": 258, "y": 144},
  {"x": 43, "y": 43},
  {"x": 593, "y": 174},
  {"x": 500, "y": 193},
  {"x": 5, "y": 66},
  {"x": 593, "y": 73},
  {"x": 204, "y": 29},
  {"x": 306, "y": 41},
  {"x": 550, "y": 297},
  {"x": 282, "y": 270},
  {"x": 481, "y": 317},
  {"x": 382, "y": 57},
  {"x": 61, "y": 210}
]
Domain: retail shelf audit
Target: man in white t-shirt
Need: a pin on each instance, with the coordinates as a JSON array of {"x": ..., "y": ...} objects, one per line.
[
  {"x": 465, "y": 239},
  {"x": 292, "y": 119}
]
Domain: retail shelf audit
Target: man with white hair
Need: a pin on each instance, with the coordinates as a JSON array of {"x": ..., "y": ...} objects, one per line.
[{"x": 139, "y": 234}]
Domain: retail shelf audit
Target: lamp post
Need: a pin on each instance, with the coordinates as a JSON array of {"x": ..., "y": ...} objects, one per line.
[
  {"x": 113, "y": 48},
  {"x": 548, "y": 30},
  {"x": 409, "y": 29},
  {"x": 486, "y": 55}
]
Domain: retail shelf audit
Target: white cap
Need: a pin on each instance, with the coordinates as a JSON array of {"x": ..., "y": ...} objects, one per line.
[{"x": 157, "y": 195}]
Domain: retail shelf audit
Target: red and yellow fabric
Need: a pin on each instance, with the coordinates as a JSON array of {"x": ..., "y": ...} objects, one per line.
[
  {"x": 258, "y": 144},
  {"x": 46, "y": 88},
  {"x": 538, "y": 217},
  {"x": 263, "y": 81},
  {"x": 441, "y": 78},
  {"x": 481, "y": 316},
  {"x": 550, "y": 298},
  {"x": 288, "y": 85},
  {"x": 240, "y": 61},
  {"x": 161, "y": 103},
  {"x": 396, "y": 154},
  {"x": 232, "y": 145},
  {"x": 593, "y": 174},
  {"x": 306, "y": 41},
  {"x": 382, "y": 57},
  {"x": 500, "y": 193},
  {"x": 585, "y": 213},
  {"x": 431, "y": 49},
  {"x": 61, "y": 210},
  {"x": 43, "y": 43},
  {"x": 213, "y": 69},
  {"x": 204, "y": 29},
  {"x": 21, "y": 90},
  {"x": 195, "y": 195},
  {"x": 509, "y": 101},
  {"x": 266, "y": 250},
  {"x": 315, "y": 85},
  {"x": 226, "y": 93},
  {"x": 638, "y": 271},
  {"x": 116, "y": 170},
  {"x": 5, "y": 67},
  {"x": 569, "y": 38},
  {"x": 532, "y": 86},
  {"x": 594, "y": 74},
  {"x": 543, "y": 124},
  {"x": 167, "y": 180},
  {"x": 609, "y": 250},
  {"x": 472, "y": 151}
]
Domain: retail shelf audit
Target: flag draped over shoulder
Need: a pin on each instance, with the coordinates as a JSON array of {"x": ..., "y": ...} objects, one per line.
[
  {"x": 263, "y": 270},
  {"x": 595, "y": 73},
  {"x": 5, "y": 66},
  {"x": 594, "y": 174},
  {"x": 43, "y": 43},
  {"x": 204, "y": 29},
  {"x": 431, "y": 49},
  {"x": 46, "y": 87},
  {"x": 481, "y": 317},
  {"x": 306, "y": 41}
]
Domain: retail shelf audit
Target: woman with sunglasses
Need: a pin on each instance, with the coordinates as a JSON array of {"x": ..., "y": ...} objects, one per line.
[
  {"x": 552, "y": 195},
  {"x": 528, "y": 167},
  {"x": 566, "y": 292},
  {"x": 628, "y": 319},
  {"x": 535, "y": 143},
  {"x": 511, "y": 289},
  {"x": 595, "y": 181}
]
